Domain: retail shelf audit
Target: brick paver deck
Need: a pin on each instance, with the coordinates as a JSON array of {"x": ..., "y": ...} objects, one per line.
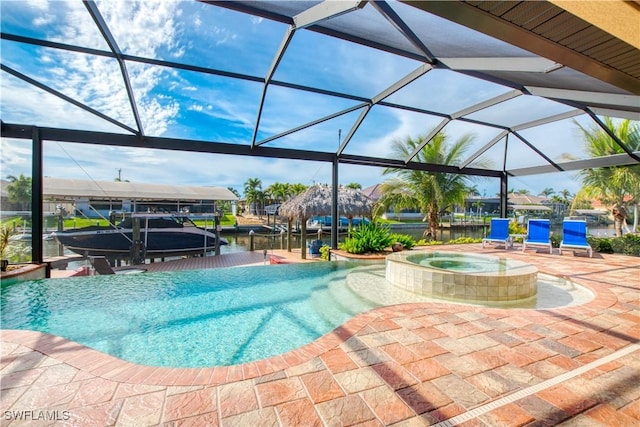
[{"x": 405, "y": 365}]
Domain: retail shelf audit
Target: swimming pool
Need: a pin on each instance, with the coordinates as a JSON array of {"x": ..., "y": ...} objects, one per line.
[{"x": 193, "y": 318}]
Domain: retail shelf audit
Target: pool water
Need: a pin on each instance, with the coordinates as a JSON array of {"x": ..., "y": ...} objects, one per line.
[
  {"x": 193, "y": 318},
  {"x": 461, "y": 262}
]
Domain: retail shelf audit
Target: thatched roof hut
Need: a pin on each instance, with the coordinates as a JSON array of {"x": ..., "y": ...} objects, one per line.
[{"x": 316, "y": 200}]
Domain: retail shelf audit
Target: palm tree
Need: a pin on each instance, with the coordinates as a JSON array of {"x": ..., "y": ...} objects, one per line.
[
  {"x": 253, "y": 193},
  {"x": 278, "y": 191},
  {"x": 547, "y": 192},
  {"x": 472, "y": 191},
  {"x": 431, "y": 192},
  {"x": 354, "y": 185},
  {"x": 566, "y": 196},
  {"x": 234, "y": 191},
  {"x": 615, "y": 186},
  {"x": 119, "y": 177},
  {"x": 297, "y": 189}
]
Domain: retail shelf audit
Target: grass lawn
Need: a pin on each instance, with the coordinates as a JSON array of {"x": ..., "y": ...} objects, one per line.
[{"x": 226, "y": 220}]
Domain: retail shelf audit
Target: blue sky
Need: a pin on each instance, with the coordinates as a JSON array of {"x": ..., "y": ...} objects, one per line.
[{"x": 184, "y": 104}]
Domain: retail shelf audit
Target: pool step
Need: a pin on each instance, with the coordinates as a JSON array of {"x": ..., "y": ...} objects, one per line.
[{"x": 337, "y": 303}]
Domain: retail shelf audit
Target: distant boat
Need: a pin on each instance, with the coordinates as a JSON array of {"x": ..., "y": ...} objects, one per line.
[
  {"x": 23, "y": 236},
  {"x": 162, "y": 235}
]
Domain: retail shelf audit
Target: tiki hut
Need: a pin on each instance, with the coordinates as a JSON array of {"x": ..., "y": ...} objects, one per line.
[{"x": 316, "y": 200}]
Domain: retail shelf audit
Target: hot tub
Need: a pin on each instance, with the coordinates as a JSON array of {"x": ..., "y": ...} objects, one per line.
[{"x": 461, "y": 276}]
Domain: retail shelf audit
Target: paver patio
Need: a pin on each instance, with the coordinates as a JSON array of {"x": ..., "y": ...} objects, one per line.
[{"x": 407, "y": 365}]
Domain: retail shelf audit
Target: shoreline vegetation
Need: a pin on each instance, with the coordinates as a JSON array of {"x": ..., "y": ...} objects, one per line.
[{"x": 628, "y": 244}]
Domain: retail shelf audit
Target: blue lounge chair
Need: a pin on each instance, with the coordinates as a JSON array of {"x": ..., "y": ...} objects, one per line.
[
  {"x": 574, "y": 236},
  {"x": 314, "y": 248},
  {"x": 538, "y": 234},
  {"x": 499, "y": 232}
]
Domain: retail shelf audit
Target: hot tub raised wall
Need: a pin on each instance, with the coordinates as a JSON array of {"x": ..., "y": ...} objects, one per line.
[{"x": 517, "y": 281}]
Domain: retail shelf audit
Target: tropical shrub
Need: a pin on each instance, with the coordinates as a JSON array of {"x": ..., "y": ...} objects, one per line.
[
  {"x": 423, "y": 242},
  {"x": 366, "y": 238},
  {"x": 463, "y": 240},
  {"x": 5, "y": 233},
  {"x": 514, "y": 228},
  {"x": 457, "y": 241},
  {"x": 407, "y": 241},
  {"x": 600, "y": 244},
  {"x": 324, "y": 252},
  {"x": 555, "y": 239},
  {"x": 629, "y": 244}
]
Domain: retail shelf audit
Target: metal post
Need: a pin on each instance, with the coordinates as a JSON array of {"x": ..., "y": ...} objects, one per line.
[
  {"x": 136, "y": 244},
  {"x": 251, "y": 233},
  {"x": 504, "y": 188},
  {"x": 37, "y": 247},
  {"x": 216, "y": 224},
  {"x": 282, "y": 239},
  {"x": 334, "y": 203},
  {"x": 61, "y": 228}
]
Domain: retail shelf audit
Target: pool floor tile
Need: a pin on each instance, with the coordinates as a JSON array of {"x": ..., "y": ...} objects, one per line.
[{"x": 405, "y": 365}]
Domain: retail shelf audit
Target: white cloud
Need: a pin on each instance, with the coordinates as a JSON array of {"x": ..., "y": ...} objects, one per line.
[
  {"x": 22, "y": 103},
  {"x": 42, "y": 5}
]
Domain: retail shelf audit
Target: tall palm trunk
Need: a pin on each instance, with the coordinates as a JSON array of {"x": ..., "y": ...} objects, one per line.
[
  {"x": 618, "y": 227},
  {"x": 619, "y": 216},
  {"x": 433, "y": 222}
]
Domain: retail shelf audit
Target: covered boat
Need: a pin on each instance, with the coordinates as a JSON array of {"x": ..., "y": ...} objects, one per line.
[{"x": 161, "y": 235}]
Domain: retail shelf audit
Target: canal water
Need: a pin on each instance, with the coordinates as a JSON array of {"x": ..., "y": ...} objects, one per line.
[{"x": 263, "y": 239}]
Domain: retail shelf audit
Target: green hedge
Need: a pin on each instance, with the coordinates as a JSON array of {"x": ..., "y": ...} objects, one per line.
[{"x": 629, "y": 244}]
